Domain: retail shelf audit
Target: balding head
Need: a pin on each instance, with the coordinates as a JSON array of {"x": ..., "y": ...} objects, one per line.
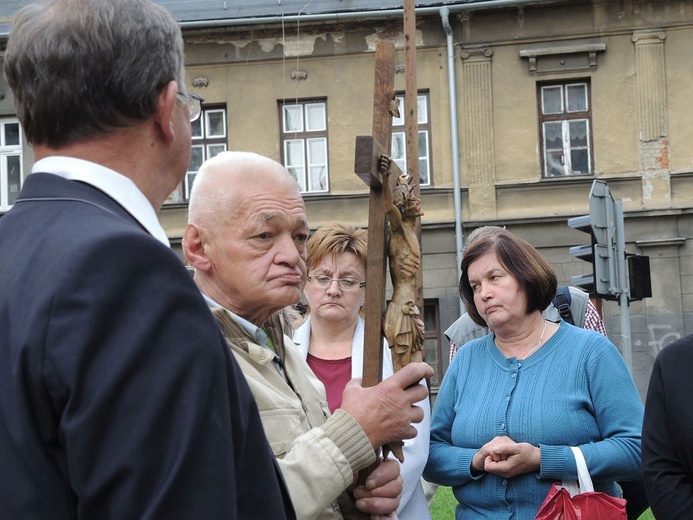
[
  {"x": 246, "y": 234},
  {"x": 222, "y": 179}
]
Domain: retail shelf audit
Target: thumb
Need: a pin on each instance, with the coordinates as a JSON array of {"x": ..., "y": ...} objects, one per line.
[{"x": 503, "y": 449}]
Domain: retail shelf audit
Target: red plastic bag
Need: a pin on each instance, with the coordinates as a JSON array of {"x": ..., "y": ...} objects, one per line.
[
  {"x": 559, "y": 505},
  {"x": 570, "y": 500}
]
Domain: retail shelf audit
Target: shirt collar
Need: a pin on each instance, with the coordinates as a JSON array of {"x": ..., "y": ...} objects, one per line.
[
  {"x": 115, "y": 185},
  {"x": 255, "y": 332}
]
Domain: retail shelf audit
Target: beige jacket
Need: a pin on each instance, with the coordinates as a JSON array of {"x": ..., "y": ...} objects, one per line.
[{"x": 317, "y": 453}]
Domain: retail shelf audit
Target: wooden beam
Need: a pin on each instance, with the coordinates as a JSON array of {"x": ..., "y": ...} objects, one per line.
[
  {"x": 368, "y": 153},
  {"x": 366, "y": 167}
]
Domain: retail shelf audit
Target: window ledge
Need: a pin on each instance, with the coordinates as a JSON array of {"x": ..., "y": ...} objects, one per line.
[{"x": 563, "y": 59}]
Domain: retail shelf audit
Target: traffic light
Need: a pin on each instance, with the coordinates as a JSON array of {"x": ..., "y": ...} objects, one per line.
[
  {"x": 639, "y": 281},
  {"x": 583, "y": 252},
  {"x": 600, "y": 225}
]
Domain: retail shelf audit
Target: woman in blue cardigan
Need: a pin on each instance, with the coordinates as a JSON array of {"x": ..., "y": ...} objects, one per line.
[{"x": 513, "y": 403}]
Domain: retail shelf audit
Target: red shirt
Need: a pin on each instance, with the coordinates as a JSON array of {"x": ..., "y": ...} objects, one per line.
[{"x": 334, "y": 374}]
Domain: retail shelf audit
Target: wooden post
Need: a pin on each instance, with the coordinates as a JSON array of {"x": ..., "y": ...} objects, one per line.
[{"x": 411, "y": 118}]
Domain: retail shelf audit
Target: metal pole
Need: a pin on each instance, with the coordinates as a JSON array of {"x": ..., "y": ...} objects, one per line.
[{"x": 623, "y": 285}]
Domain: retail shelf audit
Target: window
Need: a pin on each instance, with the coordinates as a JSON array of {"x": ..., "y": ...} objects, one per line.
[
  {"x": 10, "y": 162},
  {"x": 565, "y": 122},
  {"x": 304, "y": 143},
  {"x": 432, "y": 353},
  {"x": 208, "y": 138},
  {"x": 399, "y": 139}
]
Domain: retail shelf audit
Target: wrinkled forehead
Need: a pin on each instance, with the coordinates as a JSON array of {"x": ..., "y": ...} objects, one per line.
[
  {"x": 272, "y": 205},
  {"x": 484, "y": 265},
  {"x": 271, "y": 191},
  {"x": 343, "y": 261}
]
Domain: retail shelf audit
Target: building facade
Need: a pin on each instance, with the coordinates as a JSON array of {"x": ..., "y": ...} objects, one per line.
[{"x": 521, "y": 105}]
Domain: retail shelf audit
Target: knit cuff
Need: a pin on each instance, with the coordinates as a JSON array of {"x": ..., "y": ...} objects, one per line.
[
  {"x": 346, "y": 433},
  {"x": 553, "y": 461}
]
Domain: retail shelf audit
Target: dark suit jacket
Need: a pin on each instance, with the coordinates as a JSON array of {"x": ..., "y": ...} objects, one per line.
[
  {"x": 118, "y": 396},
  {"x": 667, "y": 432}
]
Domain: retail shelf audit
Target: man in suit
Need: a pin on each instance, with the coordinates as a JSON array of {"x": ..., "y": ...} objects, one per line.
[{"x": 118, "y": 397}]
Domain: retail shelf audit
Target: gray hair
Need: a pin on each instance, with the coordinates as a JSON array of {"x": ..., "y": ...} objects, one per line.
[
  {"x": 211, "y": 197},
  {"x": 484, "y": 231},
  {"x": 79, "y": 68}
]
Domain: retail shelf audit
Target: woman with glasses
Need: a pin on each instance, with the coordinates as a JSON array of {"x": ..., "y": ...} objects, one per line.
[{"x": 332, "y": 339}]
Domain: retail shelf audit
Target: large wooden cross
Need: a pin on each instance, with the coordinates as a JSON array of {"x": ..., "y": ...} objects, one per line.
[
  {"x": 367, "y": 156},
  {"x": 366, "y": 165},
  {"x": 368, "y": 152}
]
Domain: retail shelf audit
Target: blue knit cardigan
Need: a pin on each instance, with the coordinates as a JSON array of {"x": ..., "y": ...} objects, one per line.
[{"x": 574, "y": 391}]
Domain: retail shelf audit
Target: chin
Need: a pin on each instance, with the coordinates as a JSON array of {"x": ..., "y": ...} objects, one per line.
[
  {"x": 329, "y": 314},
  {"x": 289, "y": 296}
]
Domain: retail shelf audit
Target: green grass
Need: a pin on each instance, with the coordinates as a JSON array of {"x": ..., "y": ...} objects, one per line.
[{"x": 444, "y": 503}]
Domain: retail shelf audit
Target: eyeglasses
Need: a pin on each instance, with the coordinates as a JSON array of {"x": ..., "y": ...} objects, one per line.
[
  {"x": 194, "y": 105},
  {"x": 345, "y": 284}
]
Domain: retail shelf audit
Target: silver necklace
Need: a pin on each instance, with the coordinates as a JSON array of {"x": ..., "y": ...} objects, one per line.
[{"x": 541, "y": 338}]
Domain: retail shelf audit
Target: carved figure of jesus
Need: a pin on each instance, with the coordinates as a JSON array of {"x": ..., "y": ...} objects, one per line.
[{"x": 402, "y": 326}]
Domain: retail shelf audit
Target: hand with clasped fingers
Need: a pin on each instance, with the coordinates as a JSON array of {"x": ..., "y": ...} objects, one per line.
[
  {"x": 381, "y": 494},
  {"x": 506, "y": 458}
]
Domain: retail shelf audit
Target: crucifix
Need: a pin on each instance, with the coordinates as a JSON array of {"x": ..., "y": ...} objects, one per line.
[{"x": 402, "y": 325}]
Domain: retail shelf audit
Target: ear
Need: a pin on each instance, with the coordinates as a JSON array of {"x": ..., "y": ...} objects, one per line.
[
  {"x": 165, "y": 111},
  {"x": 195, "y": 248}
]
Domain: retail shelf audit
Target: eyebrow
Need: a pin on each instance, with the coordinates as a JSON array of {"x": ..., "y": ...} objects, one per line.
[
  {"x": 272, "y": 215},
  {"x": 488, "y": 273},
  {"x": 266, "y": 216},
  {"x": 347, "y": 273}
]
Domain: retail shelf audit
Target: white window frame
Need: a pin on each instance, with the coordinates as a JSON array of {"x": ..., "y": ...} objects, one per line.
[
  {"x": 302, "y": 134},
  {"x": 561, "y": 159},
  {"x": 399, "y": 138},
  {"x": 206, "y": 143},
  {"x": 6, "y": 152}
]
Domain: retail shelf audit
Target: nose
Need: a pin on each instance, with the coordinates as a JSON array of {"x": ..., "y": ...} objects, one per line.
[
  {"x": 333, "y": 288},
  {"x": 484, "y": 291},
  {"x": 287, "y": 251}
]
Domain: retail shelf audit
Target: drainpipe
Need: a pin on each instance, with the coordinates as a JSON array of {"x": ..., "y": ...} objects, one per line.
[{"x": 452, "y": 90}]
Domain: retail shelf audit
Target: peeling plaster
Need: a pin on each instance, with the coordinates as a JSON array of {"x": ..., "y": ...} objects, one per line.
[
  {"x": 241, "y": 44},
  {"x": 294, "y": 46},
  {"x": 647, "y": 188},
  {"x": 338, "y": 37},
  {"x": 648, "y": 184},
  {"x": 373, "y": 39}
]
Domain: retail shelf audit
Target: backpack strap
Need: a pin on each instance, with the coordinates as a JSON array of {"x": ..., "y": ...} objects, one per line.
[{"x": 562, "y": 302}]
